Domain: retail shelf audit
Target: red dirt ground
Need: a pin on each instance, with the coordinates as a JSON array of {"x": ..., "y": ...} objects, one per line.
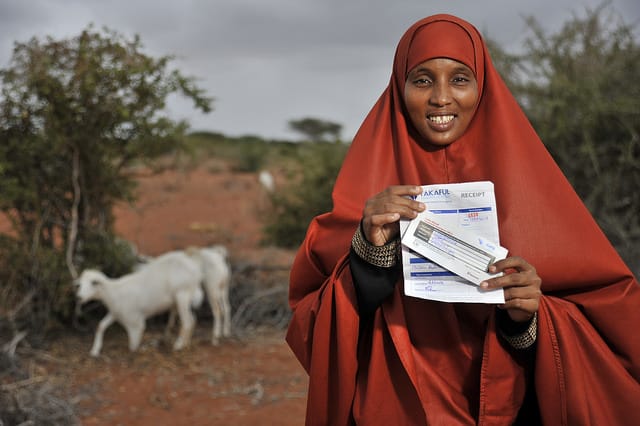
[{"x": 253, "y": 380}]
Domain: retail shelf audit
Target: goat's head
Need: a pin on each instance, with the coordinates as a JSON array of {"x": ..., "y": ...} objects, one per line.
[{"x": 86, "y": 285}]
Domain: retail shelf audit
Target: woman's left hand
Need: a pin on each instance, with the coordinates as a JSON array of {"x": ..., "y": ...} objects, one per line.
[{"x": 521, "y": 285}]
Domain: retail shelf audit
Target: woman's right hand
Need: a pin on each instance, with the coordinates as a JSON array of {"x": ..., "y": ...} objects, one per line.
[{"x": 382, "y": 212}]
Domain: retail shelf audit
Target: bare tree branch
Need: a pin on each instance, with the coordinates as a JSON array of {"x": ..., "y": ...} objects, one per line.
[{"x": 73, "y": 228}]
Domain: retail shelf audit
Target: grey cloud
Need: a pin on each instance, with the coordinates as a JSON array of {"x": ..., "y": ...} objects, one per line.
[{"x": 269, "y": 61}]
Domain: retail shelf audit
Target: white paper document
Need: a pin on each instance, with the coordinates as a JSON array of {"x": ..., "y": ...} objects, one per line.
[{"x": 447, "y": 249}]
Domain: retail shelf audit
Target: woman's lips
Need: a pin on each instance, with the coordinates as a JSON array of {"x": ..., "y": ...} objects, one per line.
[{"x": 441, "y": 122}]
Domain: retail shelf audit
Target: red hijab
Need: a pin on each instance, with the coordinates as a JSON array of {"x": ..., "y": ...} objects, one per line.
[{"x": 591, "y": 301}]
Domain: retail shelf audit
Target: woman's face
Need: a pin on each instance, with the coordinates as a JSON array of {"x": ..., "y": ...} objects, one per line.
[{"x": 441, "y": 95}]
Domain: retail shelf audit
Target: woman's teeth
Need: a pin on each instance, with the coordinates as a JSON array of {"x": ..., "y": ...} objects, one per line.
[{"x": 441, "y": 119}]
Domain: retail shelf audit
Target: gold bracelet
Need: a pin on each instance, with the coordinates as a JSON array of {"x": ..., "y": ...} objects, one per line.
[
  {"x": 383, "y": 256},
  {"x": 525, "y": 339}
]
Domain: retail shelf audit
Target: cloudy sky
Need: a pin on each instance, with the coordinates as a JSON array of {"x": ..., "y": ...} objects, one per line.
[{"x": 270, "y": 61}]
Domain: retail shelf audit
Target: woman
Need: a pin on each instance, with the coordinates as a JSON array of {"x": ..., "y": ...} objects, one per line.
[{"x": 559, "y": 351}]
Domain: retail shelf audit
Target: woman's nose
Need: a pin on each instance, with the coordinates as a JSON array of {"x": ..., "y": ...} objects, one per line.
[{"x": 440, "y": 95}]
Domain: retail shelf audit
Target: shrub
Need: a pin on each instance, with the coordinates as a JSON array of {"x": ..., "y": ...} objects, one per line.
[{"x": 307, "y": 194}]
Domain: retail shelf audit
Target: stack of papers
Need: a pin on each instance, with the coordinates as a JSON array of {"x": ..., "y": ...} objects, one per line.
[{"x": 447, "y": 249}]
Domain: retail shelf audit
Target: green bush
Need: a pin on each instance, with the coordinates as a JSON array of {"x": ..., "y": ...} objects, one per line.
[
  {"x": 36, "y": 286},
  {"x": 575, "y": 87},
  {"x": 112, "y": 255},
  {"x": 37, "y": 291},
  {"x": 307, "y": 194}
]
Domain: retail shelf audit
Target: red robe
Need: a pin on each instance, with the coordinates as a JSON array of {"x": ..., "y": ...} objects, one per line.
[{"x": 424, "y": 362}]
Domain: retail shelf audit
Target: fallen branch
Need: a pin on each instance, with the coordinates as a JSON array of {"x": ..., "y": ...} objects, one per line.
[
  {"x": 11, "y": 387},
  {"x": 10, "y": 347}
]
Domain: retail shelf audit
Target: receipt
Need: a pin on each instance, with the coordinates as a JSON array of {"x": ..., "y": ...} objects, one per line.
[
  {"x": 447, "y": 249},
  {"x": 468, "y": 257}
]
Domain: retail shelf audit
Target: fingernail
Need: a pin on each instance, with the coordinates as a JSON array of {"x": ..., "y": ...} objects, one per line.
[{"x": 484, "y": 284}]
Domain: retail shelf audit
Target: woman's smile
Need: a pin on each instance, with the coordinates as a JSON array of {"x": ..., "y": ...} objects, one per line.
[{"x": 441, "y": 123}]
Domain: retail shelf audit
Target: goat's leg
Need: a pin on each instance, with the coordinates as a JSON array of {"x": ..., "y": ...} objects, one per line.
[
  {"x": 216, "y": 310},
  {"x": 102, "y": 326},
  {"x": 135, "y": 330},
  {"x": 171, "y": 322},
  {"x": 187, "y": 321},
  {"x": 226, "y": 312}
]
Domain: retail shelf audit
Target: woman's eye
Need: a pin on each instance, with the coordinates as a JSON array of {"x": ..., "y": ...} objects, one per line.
[
  {"x": 422, "y": 81},
  {"x": 461, "y": 80}
]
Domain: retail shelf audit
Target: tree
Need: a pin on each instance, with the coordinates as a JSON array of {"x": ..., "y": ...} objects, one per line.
[
  {"x": 316, "y": 130},
  {"x": 75, "y": 116},
  {"x": 580, "y": 89}
]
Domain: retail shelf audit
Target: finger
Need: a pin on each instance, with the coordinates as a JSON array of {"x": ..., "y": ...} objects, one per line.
[
  {"x": 529, "y": 292},
  {"x": 402, "y": 195},
  {"x": 526, "y": 306},
  {"x": 404, "y": 190},
  {"x": 512, "y": 262},
  {"x": 502, "y": 281},
  {"x": 517, "y": 279},
  {"x": 405, "y": 207},
  {"x": 380, "y": 229},
  {"x": 400, "y": 191},
  {"x": 379, "y": 220}
]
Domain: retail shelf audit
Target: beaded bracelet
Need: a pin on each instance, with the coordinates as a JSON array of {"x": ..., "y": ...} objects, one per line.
[
  {"x": 525, "y": 339},
  {"x": 383, "y": 256}
]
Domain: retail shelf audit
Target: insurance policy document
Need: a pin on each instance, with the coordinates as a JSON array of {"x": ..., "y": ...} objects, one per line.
[{"x": 447, "y": 249}]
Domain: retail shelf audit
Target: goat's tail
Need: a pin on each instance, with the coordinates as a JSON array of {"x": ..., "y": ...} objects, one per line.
[{"x": 198, "y": 298}]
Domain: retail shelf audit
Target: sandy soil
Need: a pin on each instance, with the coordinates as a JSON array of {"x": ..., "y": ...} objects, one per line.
[
  {"x": 254, "y": 380},
  {"x": 242, "y": 381}
]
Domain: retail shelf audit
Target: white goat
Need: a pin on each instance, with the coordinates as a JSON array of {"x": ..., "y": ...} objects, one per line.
[
  {"x": 266, "y": 180},
  {"x": 169, "y": 281},
  {"x": 216, "y": 282}
]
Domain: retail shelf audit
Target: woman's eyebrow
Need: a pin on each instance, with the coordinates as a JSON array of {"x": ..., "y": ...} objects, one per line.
[
  {"x": 458, "y": 69},
  {"x": 463, "y": 69},
  {"x": 420, "y": 70}
]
